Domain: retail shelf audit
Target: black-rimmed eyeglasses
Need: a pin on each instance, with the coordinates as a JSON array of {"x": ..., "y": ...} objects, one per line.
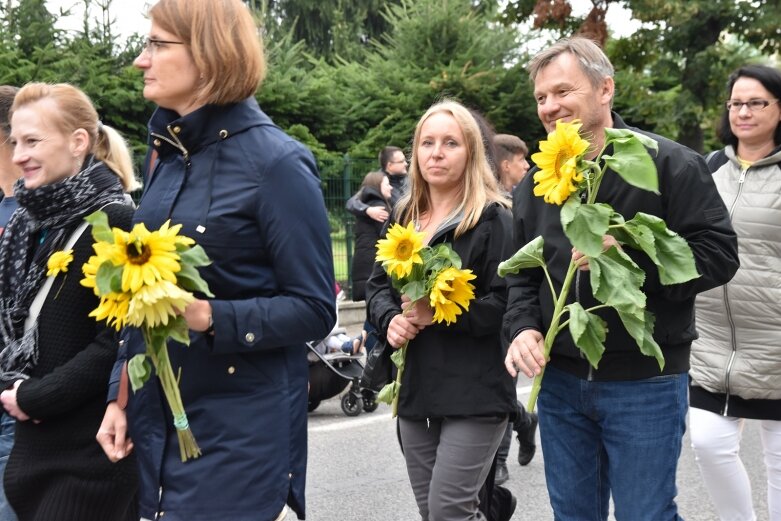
[
  {"x": 754, "y": 105},
  {"x": 151, "y": 45}
]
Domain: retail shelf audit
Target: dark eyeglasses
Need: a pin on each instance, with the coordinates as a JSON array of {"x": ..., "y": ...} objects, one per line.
[
  {"x": 754, "y": 105},
  {"x": 153, "y": 44}
]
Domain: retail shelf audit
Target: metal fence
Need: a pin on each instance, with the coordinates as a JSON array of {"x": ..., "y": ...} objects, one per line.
[{"x": 341, "y": 178}]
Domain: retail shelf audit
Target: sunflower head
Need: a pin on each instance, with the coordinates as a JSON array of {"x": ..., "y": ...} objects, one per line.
[
  {"x": 157, "y": 303},
  {"x": 400, "y": 250},
  {"x": 558, "y": 161},
  {"x": 58, "y": 262},
  {"x": 146, "y": 257},
  {"x": 451, "y": 292},
  {"x": 113, "y": 309}
]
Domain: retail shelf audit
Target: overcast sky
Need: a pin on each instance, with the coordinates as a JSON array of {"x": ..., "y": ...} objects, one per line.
[{"x": 129, "y": 15}]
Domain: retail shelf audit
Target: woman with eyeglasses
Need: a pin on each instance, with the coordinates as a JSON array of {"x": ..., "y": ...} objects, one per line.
[
  {"x": 236, "y": 183},
  {"x": 736, "y": 362}
]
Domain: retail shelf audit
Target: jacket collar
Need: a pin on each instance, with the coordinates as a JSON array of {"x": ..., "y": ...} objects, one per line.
[
  {"x": 170, "y": 133},
  {"x": 489, "y": 212},
  {"x": 618, "y": 122},
  {"x": 772, "y": 158}
]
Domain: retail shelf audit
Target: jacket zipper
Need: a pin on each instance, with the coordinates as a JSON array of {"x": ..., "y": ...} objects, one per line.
[
  {"x": 733, "y": 354},
  {"x": 733, "y": 334},
  {"x": 590, "y": 375}
]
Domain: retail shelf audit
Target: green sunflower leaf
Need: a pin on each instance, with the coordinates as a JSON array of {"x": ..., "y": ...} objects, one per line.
[
  {"x": 616, "y": 279},
  {"x": 190, "y": 279},
  {"x": 631, "y": 159},
  {"x": 415, "y": 289},
  {"x": 388, "y": 392},
  {"x": 639, "y": 323},
  {"x": 588, "y": 331},
  {"x": 101, "y": 231},
  {"x": 668, "y": 250},
  {"x": 397, "y": 357},
  {"x": 108, "y": 278},
  {"x": 530, "y": 256},
  {"x": 138, "y": 370},
  {"x": 585, "y": 225},
  {"x": 178, "y": 330},
  {"x": 195, "y": 256}
]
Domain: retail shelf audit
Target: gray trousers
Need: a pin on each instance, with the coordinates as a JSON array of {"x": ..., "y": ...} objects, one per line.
[{"x": 448, "y": 459}]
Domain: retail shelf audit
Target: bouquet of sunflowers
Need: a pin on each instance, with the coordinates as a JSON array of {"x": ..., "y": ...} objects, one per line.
[
  {"x": 563, "y": 177},
  {"x": 144, "y": 279},
  {"x": 417, "y": 271}
]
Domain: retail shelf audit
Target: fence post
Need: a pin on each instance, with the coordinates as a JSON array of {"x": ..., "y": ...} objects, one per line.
[{"x": 347, "y": 192}]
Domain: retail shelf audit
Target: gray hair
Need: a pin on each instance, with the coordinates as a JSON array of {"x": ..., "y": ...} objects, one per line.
[{"x": 593, "y": 62}]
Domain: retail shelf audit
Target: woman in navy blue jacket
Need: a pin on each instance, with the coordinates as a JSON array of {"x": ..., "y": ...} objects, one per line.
[{"x": 250, "y": 195}]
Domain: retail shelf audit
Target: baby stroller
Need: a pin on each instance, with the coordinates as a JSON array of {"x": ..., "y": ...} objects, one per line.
[{"x": 331, "y": 372}]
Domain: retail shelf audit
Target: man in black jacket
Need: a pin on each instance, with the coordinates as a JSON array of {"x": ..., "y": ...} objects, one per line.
[{"x": 616, "y": 429}]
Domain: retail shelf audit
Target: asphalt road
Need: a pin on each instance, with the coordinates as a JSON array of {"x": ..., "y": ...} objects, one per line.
[{"x": 356, "y": 472}]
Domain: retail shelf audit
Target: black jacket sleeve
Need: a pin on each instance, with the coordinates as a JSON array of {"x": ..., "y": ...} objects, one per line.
[
  {"x": 523, "y": 289},
  {"x": 695, "y": 210}
]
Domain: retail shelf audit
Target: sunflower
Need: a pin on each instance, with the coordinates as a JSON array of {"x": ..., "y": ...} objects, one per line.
[
  {"x": 147, "y": 257},
  {"x": 558, "y": 158},
  {"x": 451, "y": 292},
  {"x": 58, "y": 262},
  {"x": 155, "y": 304},
  {"x": 400, "y": 250},
  {"x": 172, "y": 232},
  {"x": 112, "y": 308},
  {"x": 90, "y": 270}
]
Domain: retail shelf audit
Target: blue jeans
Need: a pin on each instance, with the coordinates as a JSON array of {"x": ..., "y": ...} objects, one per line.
[
  {"x": 621, "y": 438},
  {"x": 7, "y": 428}
]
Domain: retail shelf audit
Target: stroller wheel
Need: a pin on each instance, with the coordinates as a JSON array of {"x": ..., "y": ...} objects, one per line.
[
  {"x": 350, "y": 405},
  {"x": 312, "y": 405}
]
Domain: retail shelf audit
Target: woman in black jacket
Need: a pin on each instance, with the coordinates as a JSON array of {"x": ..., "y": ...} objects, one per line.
[
  {"x": 55, "y": 361},
  {"x": 455, "y": 395},
  {"x": 375, "y": 191}
]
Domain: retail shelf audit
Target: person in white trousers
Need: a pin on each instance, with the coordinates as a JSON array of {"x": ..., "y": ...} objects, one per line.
[{"x": 736, "y": 362}]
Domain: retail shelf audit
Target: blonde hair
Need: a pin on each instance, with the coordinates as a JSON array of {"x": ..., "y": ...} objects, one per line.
[
  {"x": 480, "y": 187},
  {"x": 224, "y": 42},
  {"x": 76, "y": 111}
]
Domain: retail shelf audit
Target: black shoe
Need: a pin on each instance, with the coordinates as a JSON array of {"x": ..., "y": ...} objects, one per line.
[
  {"x": 503, "y": 504},
  {"x": 502, "y": 474},
  {"x": 526, "y": 444}
]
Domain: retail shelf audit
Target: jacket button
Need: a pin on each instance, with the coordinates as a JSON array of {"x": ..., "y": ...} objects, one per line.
[
  {"x": 231, "y": 370},
  {"x": 249, "y": 337},
  {"x": 223, "y": 133},
  {"x": 290, "y": 476},
  {"x": 157, "y": 142},
  {"x": 177, "y": 129}
]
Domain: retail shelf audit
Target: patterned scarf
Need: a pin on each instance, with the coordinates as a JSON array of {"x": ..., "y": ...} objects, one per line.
[{"x": 46, "y": 217}]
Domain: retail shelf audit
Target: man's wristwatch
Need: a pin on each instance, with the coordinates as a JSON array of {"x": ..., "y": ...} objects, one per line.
[{"x": 210, "y": 329}]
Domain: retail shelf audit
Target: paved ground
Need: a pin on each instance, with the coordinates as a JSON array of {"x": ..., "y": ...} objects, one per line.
[{"x": 357, "y": 473}]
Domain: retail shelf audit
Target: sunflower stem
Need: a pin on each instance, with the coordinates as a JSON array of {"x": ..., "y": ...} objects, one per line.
[
  {"x": 157, "y": 350},
  {"x": 553, "y": 330},
  {"x": 400, "y": 368}
]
